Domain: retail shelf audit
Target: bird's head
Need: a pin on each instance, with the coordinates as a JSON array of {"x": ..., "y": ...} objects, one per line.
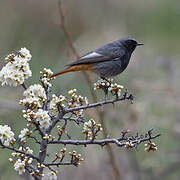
[{"x": 130, "y": 43}]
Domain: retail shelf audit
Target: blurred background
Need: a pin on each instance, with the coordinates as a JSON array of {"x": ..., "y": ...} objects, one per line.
[{"x": 152, "y": 76}]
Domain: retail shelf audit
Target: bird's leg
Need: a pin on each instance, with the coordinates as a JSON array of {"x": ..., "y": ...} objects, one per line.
[{"x": 103, "y": 78}]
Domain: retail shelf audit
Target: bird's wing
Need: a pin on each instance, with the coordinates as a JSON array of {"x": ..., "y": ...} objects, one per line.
[
  {"x": 104, "y": 53},
  {"x": 91, "y": 57}
]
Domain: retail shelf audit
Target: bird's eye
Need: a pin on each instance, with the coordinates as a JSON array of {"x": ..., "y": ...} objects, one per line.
[{"x": 129, "y": 42}]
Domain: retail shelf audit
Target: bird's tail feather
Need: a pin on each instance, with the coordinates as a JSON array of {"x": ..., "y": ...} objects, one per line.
[
  {"x": 82, "y": 67},
  {"x": 61, "y": 72}
]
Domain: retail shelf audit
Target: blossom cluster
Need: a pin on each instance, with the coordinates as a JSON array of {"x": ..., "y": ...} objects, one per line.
[
  {"x": 40, "y": 116},
  {"x": 24, "y": 133},
  {"x": 115, "y": 89},
  {"x": 102, "y": 84},
  {"x": 75, "y": 158},
  {"x": 6, "y": 135},
  {"x": 34, "y": 96},
  {"x": 20, "y": 160},
  {"x": 129, "y": 145},
  {"x": 61, "y": 130},
  {"x": 17, "y": 69},
  {"x": 46, "y": 77},
  {"x": 74, "y": 101},
  {"x": 91, "y": 128},
  {"x": 29, "y": 115},
  {"x": 75, "y": 98},
  {"x": 43, "y": 118},
  {"x": 150, "y": 146},
  {"x": 57, "y": 101},
  {"x": 19, "y": 166},
  {"x": 108, "y": 86}
]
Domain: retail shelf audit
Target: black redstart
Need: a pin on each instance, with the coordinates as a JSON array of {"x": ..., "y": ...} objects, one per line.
[{"x": 108, "y": 60}]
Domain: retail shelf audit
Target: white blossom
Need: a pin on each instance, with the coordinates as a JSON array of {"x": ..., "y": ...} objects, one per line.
[
  {"x": 26, "y": 149},
  {"x": 33, "y": 101},
  {"x": 29, "y": 161},
  {"x": 89, "y": 124},
  {"x": 57, "y": 101},
  {"x": 72, "y": 92},
  {"x": 29, "y": 115},
  {"x": 46, "y": 77},
  {"x": 101, "y": 84},
  {"x": 25, "y": 53},
  {"x": 115, "y": 89},
  {"x": 52, "y": 175},
  {"x": 6, "y": 135},
  {"x": 43, "y": 118},
  {"x": 19, "y": 166},
  {"x": 35, "y": 91},
  {"x": 25, "y": 132},
  {"x": 35, "y": 95},
  {"x": 47, "y": 72},
  {"x": 17, "y": 70},
  {"x": 46, "y": 81}
]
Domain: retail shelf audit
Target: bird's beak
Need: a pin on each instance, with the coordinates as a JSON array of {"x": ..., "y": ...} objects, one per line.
[{"x": 139, "y": 44}]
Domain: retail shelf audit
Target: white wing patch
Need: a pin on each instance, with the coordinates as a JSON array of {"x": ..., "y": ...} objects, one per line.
[{"x": 91, "y": 55}]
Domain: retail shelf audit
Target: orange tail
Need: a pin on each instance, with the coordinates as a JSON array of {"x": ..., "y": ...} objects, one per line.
[{"x": 82, "y": 67}]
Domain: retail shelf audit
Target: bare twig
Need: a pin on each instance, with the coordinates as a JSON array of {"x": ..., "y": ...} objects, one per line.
[
  {"x": 103, "y": 142},
  {"x": 35, "y": 139},
  {"x": 77, "y": 120},
  {"x": 58, "y": 164},
  {"x": 19, "y": 151},
  {"x": 24, "y": 86},
  {"x": 98, "y": 104}
]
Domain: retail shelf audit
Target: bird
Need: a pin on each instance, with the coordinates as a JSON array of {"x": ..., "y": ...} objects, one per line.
[{"x": 109, "y": 60}]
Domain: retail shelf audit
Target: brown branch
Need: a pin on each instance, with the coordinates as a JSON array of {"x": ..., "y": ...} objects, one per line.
[{"x": 64, "y": 29}]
